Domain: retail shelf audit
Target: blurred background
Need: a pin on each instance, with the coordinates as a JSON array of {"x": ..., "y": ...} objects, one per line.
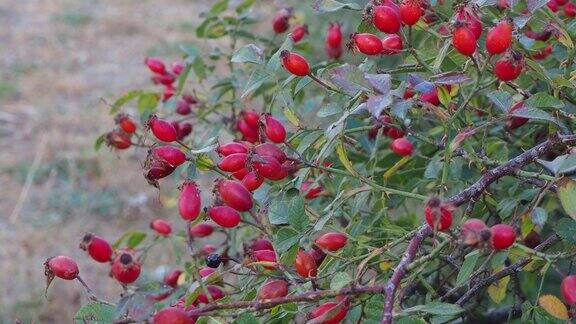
[{"x": 60, "y": 62}]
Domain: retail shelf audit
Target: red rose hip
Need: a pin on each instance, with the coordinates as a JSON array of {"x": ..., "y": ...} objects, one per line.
[
  {"x": 503, "y": 236},
  {"x": 568, "y": 289},
  {"x": 402, "y": 146},
  {"x": 295, "y": 63},
  {"x": 235, "y": 195},
  {"x": 98, "y": 248},
  {"x": 224, "y": 216},
  {"x": 332, "y": 241},
  {"x": 189, "y": 202}
]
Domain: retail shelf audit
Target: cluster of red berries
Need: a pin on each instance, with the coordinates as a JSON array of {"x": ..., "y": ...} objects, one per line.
[
  {"x": 163, "y": 76},
  {"x": 569, "y": 8},
  {"x": 400, "y": 144},
  {"x": 473, "y": 232}
]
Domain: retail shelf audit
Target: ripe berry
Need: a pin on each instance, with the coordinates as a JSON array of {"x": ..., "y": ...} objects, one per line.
[
  {"x": 126, "y": 123},
  {"x": 155, "y": 65},
  {"x": 327, "y": 307},
  {"x": 155, "y": 169},
  {"x": 274, "y": 288},
  {"x": 172, "y": 315},
  {"x": 553, "y": 5},
  {"x": 334, "y": 36},
  {"x": 233, "y": 162},
  {"x": 514, "y": 122},
  {"x": 274, "y": 129},
  {"x": 261, "y": 244},
  {"x": 224, "y": 216},
  {"x": 280, "y": 23},
  {"x": 169, "y": 91},
  {"x": 368, "y": 44},
  {"x": 310, "y": 193},
  {"x": 207, "y": 249},
  {"x": 235, "y": 195},
  {"x": 213, "y": 260},
  {"x": 125, "y": 267},
  {"x": 299, "y": 32},
  {"x": 240, "y": 174},
  {"x": 295, "y": 63},
  {"x": 177, "y": 67},
  {"x": 267, "y": 167},
  {"x": 394, "y": 133},
  {"x": 438, "y": 217},
  {"x": 251, "y": 117},
  {"x": 469, "y": 18},
  {"x": 201, "y": 230},
  {"x": 161, "y": 227},
  {"x": 318, "y": 255},
  {"x": 183, "y": 107},
  {"x": 568, "y": 289},
  {"x": 165, "y": 79},
  {"x": 431, "y": 97},
  {"x": 205, "y": 272},
  {"x": 334, "y": 52},
  {"x": 464, "y": 41},
  {"x": 391, "y": 44},
  {"x": 402, "y": 146},
  {"x": 162, "y": 129},
  {"x": 570, "y": 9},
  {"x": 562, "y": 2},
  {"x": 98, "y": 248},
  {"x": 171, "y": 278},
  {"x": 499, "y": 38},
  {"x": 250, "y": 133},
  {"x": 266, "y": 256},
  {"x": 386, "y": 19},
  {"x": 189, "y": 202},
  {"x": 215, "y": 292},
  {"x": 509, "y": 67},
  {"x": 62, "y": 267},
  {"x": 474, "y": 231},
  {"x": 503, "y": 236},
  {"x": 305, "y": 264},
  {"x": 543, "y": 53},
  {"x": 170, "y": 154},
  {"x": 231, "y": 148},
  {"x": 332, "y": 241},
  {"x": 252, "y": 181},
  {"x": 182, "y": 129},
  {"x": 410, "y": 12},
  {"x": 269, "y": 149},
  {"x": 118, "y": 139}
]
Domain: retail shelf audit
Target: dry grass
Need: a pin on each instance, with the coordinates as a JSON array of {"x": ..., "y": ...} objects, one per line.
[{"x": 58, "y": 59}]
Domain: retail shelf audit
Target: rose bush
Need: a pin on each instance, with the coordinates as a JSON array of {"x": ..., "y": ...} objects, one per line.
[{"x": 386, "y": 161}]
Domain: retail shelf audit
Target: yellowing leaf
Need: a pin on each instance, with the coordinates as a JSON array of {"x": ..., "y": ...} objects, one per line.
[
  {"x": 390, "y": 172},
  {"x": 553, "y": 306},
  {"x": 454, "y": 90},
  {"x": 341, "y": 151},
  {"x": 204, "y": 162},
  {"x": 567, "y": 195},
  {"x": 497, "y": 290},
  {"x": 565, "y": 39},
  {"x": 182, "y": 279},
  {"x": 444, "y": 96},
  {"x": 385, "y": 265},
  {"x": 291, "y": 116}
]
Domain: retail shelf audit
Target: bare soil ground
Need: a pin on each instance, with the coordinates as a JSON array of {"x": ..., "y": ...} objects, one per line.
[{"x": 58, "y": 59}]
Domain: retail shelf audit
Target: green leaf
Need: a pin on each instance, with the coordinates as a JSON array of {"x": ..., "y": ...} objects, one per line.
[
  {"x": 566, "y": 229},
  {"x": 534, "y": 113},
  {"x": 248, "y": 54},
  {"x": 501, "y": 99},
  {"x": 95, "y": 312},
  {"x": 244, "y": 5},
  {"x": 135, "y": 239},
  {"x": 147, "y": 102},
  {"x": 127, "y": 97},
  {"x": 539, "y": 216},
  {"x": 467, "y": 267},
  {"x": 544, "y": 100},
  {"x": 340, "y": 280},
  {"x": 296, "y": 214},
  {"x": 567, "y": 195},
  {"x": 219, "y": 7},
  {"x": 99, "y": 141},
  {"x": 329, "y": 110},
  {"x": 433, "y": 168},
  {"x": 333, "y": 5},
  {"x": 343, "y": 156},
  {"x": 285, "y": 239},
  {"x": 246, "y": 318},
  {"x": 435, "y": 308},
  {"x": 258, "y": 77}
]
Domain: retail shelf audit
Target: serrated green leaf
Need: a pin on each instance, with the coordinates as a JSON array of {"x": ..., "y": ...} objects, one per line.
[
  {"x": 333, "y": 5},
  {"x": 285, "y": 239},
  {"x": 566, "y": 229},
  {"x": 135, "y": 239},
  {"x": 296, "y": 214},
  {"x": 95, "y": 312},
  {"x": 340, "y": 280},
  {"x": 501, "y": 99},
  {"x": 467, "y": 267},
  {"x": 249, "y": 53},
  {"x": 127, "y": 97},
  {"x": 544, "y": 100},
  {"x": 567, "y": 195}
]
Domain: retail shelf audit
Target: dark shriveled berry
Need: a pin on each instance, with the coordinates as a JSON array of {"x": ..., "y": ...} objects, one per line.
[{"x": 213, "y": 260}]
